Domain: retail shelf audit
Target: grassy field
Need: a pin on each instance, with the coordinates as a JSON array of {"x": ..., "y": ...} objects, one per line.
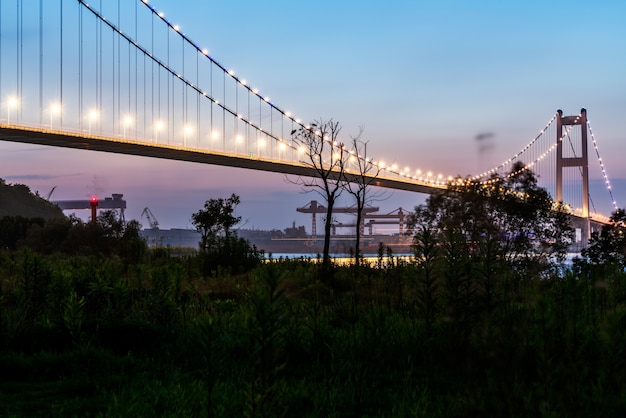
[{"x": 96, "y": 336}]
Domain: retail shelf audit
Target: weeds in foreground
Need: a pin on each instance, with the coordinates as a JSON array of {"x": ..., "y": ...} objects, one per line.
[{"x": 445, "y": 336}]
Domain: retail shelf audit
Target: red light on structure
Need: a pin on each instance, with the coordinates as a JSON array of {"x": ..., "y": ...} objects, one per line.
[{"x": 94, "y": 204}]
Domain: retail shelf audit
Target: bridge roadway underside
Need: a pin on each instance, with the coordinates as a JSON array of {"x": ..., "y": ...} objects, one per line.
[{"x": 95, "y": 143}]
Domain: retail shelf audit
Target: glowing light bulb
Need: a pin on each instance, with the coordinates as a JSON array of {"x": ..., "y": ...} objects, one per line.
[
  {"x": 55, "y": 109},
  {"x": 92, "y": 117},
  {"x": 12, "y": 102}
]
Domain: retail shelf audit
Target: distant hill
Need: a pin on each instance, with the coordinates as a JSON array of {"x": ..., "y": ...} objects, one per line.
[{"x": 17, "y": 199}]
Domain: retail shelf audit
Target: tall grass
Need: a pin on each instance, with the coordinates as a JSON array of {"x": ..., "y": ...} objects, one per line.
[{"x": 446, "y": 335}]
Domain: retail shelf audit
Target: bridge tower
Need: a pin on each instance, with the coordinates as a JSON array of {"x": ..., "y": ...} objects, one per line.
[{"x": 582, "y": 162}]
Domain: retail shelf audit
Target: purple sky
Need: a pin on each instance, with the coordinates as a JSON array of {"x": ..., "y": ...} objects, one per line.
[{"x": 421, "y": 78}]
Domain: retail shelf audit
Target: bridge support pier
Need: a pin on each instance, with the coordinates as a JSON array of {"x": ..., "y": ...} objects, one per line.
[{"x": 575, "y": 161}]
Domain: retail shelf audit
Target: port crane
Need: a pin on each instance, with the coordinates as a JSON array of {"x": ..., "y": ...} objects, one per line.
[
  {"x": 153, "y": 236},
  {"x": 50, "y": 193},
  {"x": 152, "y": 221}
]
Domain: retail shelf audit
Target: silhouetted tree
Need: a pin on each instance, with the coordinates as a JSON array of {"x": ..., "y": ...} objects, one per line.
[
  {"x": 216, "y": 218},
  {"x": 324, "y": 154},
  {"x": 609, "y": 245},
  {"x": 109, "y": 235},
  {"x": 221, "y": 247},
  {"x": 14, "y": 229},
  {"x": 360, "y": 173},
  {"x": 513, "y": 212}
]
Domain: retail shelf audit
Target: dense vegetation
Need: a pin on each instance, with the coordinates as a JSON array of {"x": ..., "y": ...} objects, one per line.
[
  {"x": 459, "y": 330},
  {"x": 17, "y": 200}
]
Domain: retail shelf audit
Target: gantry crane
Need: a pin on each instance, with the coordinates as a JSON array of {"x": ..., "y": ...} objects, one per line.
[
  {"x": 314, "y": 208},
  {"x": 116, "y": 201},
  {"x": 397, "y": 217}
]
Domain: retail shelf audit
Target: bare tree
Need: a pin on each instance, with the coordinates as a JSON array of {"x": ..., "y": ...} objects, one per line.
[
  {"x": 360, "y": 173},
  {"x": 323, "y": 153}
]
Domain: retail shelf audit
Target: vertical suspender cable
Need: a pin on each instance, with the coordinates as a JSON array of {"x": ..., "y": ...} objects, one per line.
[
  {"x": 61, "y": 61},
  {"x": 136, "y": 70},
  {"x": 158, "y": 74},
  {"x": 123, "y": 117},
  {"x": 170, "y": 123},
  {"x": 98, "y": 28},
  {"x": 198, "y": 99},
  {"x": 19, "y": 52},
  {"x": 113, "y": 89},
  {"x": 1, "y": 48},
  {"x": 40, "y": 60},
  {"x": 152, "y": 74},
  {"x": 128, "y": 107},
  {"x": 211, "y": 93},
  {"x": 100, "y": 61},
  {"x": 224, "y": 112},
  {"x": 184, "y": 96},
  {"x": 248, "y": 125},
  {"x": 119, "y": 67},
  {"x": 80, "y": 67},
  {"x": 236, "y": 118}
]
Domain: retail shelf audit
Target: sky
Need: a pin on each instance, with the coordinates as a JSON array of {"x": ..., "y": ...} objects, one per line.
[{"x": 421, "y": 79}]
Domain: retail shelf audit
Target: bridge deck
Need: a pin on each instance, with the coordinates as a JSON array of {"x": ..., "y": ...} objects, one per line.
[{"x": 38, "y": 136}]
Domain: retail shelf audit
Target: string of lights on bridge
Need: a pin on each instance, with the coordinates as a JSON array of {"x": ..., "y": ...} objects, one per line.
[
  {"x": 516, "y": 156},
  {"x": 417, "y": 176},
  {"x": 93, "y": 114},
  {"x": 428, "y": 177},
  {"x": 530, "y": 165},
  {"x": 439, "y": 180},
  {"x": 604, "y": 174}
]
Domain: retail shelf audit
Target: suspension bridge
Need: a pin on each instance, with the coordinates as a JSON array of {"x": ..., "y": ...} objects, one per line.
[{"x": 121, "y": 78}]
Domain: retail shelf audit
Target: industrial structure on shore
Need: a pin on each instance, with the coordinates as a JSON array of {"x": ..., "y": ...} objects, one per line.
[{"x": 295, "y": 239}]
